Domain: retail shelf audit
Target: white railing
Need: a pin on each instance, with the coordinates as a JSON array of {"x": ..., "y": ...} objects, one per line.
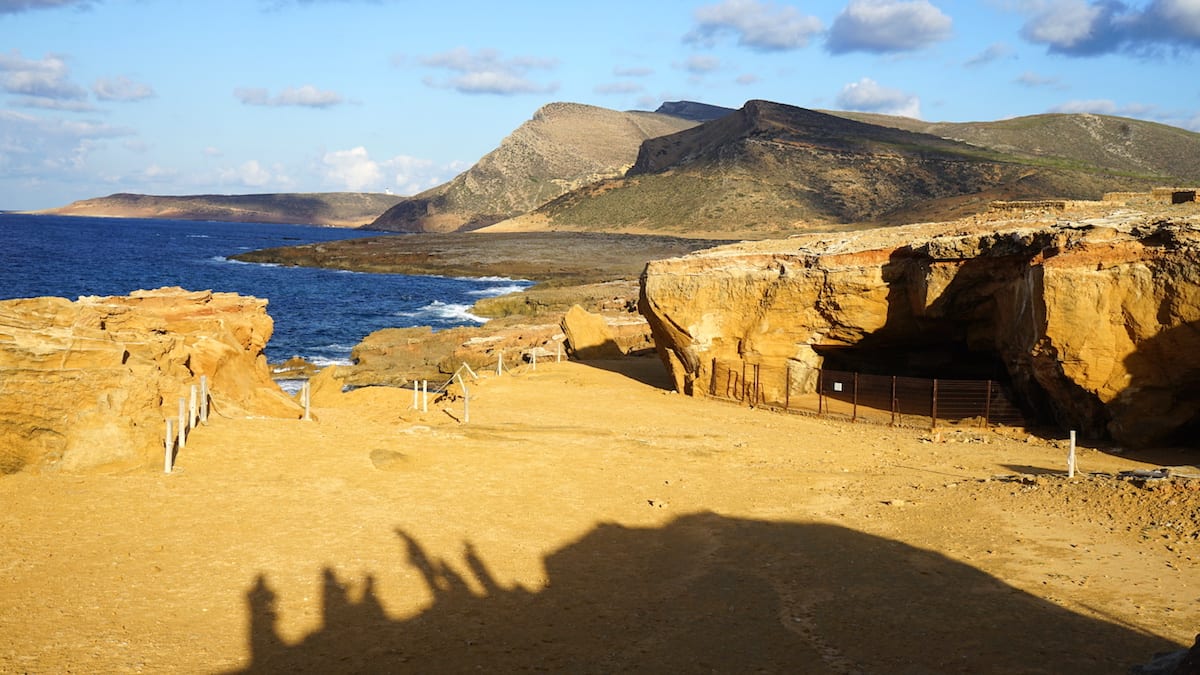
[{"x": 192, "y": 411}]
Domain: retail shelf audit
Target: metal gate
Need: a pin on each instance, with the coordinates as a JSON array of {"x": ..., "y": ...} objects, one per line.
[{"x": 883, "y": 399}]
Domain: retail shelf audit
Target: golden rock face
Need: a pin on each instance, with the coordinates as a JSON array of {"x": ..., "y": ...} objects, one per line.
[
  {"x": 88, "y": 385},
  {"x": 1095, "y": 311}
]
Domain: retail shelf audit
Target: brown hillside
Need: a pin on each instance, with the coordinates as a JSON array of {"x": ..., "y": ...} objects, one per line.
[
  {"x": 770, "y": 169},
  {"x": 1118, "y": 143},
  {"x": 333, "y": 209},
  {"x": 564, "y": 146}
]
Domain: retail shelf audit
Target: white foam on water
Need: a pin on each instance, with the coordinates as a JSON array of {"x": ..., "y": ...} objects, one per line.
[
  {"x": 223, "y": 259},
  {"x": 444, "y": 311},
  {"x": 290, "y": 387},
  {"x": 496, "y": 291},
  {"x": 322, "y": 361}
]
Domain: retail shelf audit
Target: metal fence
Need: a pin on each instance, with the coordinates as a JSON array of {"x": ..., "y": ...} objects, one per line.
[{"x": 884, "y": 399}]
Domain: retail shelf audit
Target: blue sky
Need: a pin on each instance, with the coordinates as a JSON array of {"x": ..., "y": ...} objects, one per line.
[{"x": 169, "y": 97}]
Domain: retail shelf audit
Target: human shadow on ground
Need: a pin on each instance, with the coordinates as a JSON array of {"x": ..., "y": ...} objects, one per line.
[{"x": 704, "y": 593}]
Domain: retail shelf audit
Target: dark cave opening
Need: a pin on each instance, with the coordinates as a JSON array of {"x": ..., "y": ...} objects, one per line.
[
  {"x": 953, "y": 361},
  {"x": 943, "y": 361}
]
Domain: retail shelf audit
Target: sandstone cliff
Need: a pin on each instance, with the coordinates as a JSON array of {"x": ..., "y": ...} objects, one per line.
[
  {"x": 88, "y": 385},
  {"x": 1093, "y": 315}
]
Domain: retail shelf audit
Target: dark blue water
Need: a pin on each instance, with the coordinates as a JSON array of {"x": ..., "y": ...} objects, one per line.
[{"x": 319, "y": 314}]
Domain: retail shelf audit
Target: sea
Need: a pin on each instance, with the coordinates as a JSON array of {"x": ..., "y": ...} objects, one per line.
[{"x": 319, "y": 314}]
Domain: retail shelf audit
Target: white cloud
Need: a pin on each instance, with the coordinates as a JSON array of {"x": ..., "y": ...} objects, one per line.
[
  {"x": 486, "y": 72},
  {"x": 36, "y": 146},
  {"x": 411, "y": 175},
  {"x": 53, "y": 104},
  {"x": 1031, "y": 79},
  {"x": 994, "y": 52},
  {"x": 121, "y": 89},
  {"x": 1098, "y": 106},
  {"x": 699, "y": 64},
  {"x": 16, "y": 6},
  {"x": 1064, "y": 24},
  {"x": 247, "y": 174},
  {"x": 157, "y": 174},
  {"x": 868, "y": 96},
  {"x": 1091, "y": 27},
  {"x": 47, "y": 78},
  {"x": 213, "y": 151},
  {"x": 356, "y": 171},
  {"x": 747, "y": 78},
  {"x": 306, "y": 96},
  {"x": 757, "y": 25},
  {"x": 353, "y": 169},
  {"x": 883, "y": 26}
]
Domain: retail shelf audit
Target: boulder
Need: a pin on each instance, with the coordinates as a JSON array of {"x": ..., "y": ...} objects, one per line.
[
  {"x": 397, "y": 356},
  {"x": 1093, "y": 313},
  {"x": 589, "y": 336},
  {"x": 88, "y": 385}
]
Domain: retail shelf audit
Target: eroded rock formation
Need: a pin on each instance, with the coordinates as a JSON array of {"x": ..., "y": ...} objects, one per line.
[
  {"x": 88, "y": 385},
  {"x": 1094, "y": 316}
]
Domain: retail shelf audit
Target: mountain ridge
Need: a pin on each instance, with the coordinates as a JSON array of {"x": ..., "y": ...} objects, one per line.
[
  {"x": 771, "y": 169},
  {"x": 562, "y": 147},
  {"x": 330, "y": 209},
  {"x": 765, "y": 169}
]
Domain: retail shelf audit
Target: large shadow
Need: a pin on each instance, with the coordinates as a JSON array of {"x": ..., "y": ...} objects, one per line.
[
  {"x": 705, "y": 593},
  {"x": 646, "y": 368},
  {"x": 1160, "y": 407}
]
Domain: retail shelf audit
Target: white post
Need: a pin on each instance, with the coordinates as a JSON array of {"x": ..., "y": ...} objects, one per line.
[
  {"x": 500, "y": 363},
  {"x": 558, "y": 355},
  {"x": 1071, "y": 457},
  {"x": 416, "y": 394},
  {"x": 424, "y": 396},
  {"x": 466, "y": 400},
  {"x": 204, "y": 399},
  {"x": 168, "y": 447},
  {"x": 182, "y": 423},
  {"x": 193, "y": 410},
  {"x": 306, "y": 398}
]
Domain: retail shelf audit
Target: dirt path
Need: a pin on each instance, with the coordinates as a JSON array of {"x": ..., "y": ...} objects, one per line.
[{"x": 586, "y": 519}]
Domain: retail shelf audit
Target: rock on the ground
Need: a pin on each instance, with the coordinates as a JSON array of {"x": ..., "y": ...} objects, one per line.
[
  {"x": 88, "y": 385},
  {"x": 397, "y": 356},
  {"x": 1094, "y": 314},
  {"x": 588, "y": 335}
]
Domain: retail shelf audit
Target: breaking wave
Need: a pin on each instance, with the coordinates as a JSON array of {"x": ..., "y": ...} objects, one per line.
[{"x": 445, "y": 313}]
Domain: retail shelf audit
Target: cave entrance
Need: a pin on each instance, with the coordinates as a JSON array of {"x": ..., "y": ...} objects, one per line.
[
  {"x": 929, "y": 361},
  {"x": 916, "y": 384}
]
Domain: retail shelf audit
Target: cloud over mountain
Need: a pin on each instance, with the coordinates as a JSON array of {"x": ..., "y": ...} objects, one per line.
[
  {"x": 883, "y": 26},
  {"x": 485, "y": 71},
  {"x": 756, "y": 25},
  {"x": 867, "y": 95}
]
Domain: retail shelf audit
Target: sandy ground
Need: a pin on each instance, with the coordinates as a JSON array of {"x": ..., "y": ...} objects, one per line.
[{"x": 587, "y": 519}]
